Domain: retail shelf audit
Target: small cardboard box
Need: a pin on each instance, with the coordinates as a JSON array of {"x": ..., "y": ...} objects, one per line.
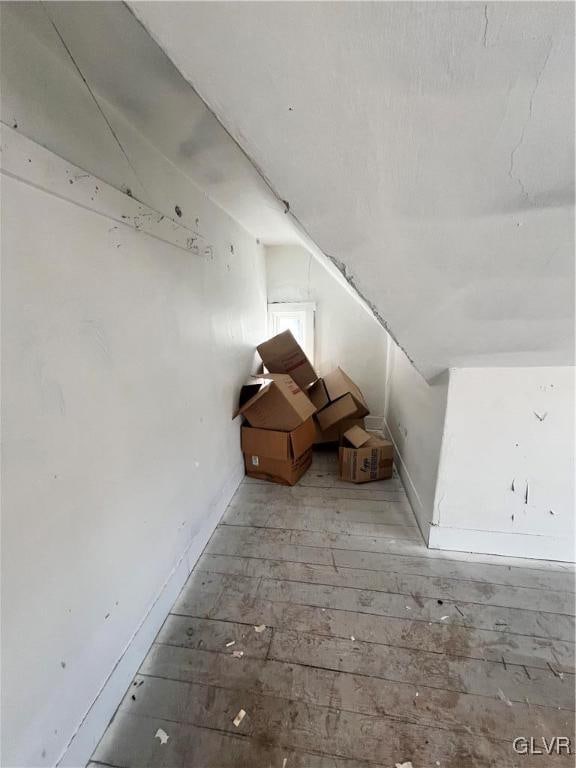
[
  {"x": 346, "y": 400},
  {"x": 278, "y": 403},
  {"x": 281, "y": 457},
  {"x": 283, "y": 354},
  {"x": 364, "y": 456}
]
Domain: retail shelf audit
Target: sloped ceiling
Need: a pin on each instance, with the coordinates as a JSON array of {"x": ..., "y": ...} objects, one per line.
[
  {"x": 132, "y": 76},
  {"x": 427, "y": 148}
]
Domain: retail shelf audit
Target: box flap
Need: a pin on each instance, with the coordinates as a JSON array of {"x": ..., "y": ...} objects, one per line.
[
  {"x": 267, "y": 443},
  {"x": 283, "y": 354},
  {"x": 279, "y": 404},
  {"x": 357, "y": 436},
  {"x": 245, "y": 392},
  {"x": 299, "y": 401},
  {"x": 302, "y": 438}
]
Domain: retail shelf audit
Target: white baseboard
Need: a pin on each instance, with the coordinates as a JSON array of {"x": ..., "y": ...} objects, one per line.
[
  {"x": 409, "y": 486},
  {"x": 94, "y": 723},
  {"x": 498, "y": 543}
]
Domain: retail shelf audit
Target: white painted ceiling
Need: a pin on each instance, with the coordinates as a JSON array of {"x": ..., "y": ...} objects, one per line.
[{"x": 428, "y": 148}]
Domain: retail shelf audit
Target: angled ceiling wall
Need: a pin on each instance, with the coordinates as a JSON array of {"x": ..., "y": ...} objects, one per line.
[{"x": 426, "y": 147}]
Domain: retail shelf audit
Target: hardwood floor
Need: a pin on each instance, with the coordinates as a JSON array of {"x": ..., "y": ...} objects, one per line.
[{"x": 319, "y": 611}]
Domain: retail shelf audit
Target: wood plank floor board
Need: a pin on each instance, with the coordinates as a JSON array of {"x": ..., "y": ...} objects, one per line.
[
  {"x": 319, "y": 610},
  {"x": 514, "y": 620},
  {"x": 445, "y": 709},
  {"x": 130, "y": 743},
  {"x": 263, "y": 492},
  {"x": 293, "y": 724},
  {"x": 442, "y": 638},
  {"x": 380, "y": 512},
  {"x": 422, "y": 668},
  {"x": 344, "y": 527},
  {"x": 324, "y": 475},
  {"x": 214, "y": 635},
  {"x": 324, "y": 479},
  {"x": 360, "y": 517},
  {"x": 379, "y": 554},
  {"x": 388, "y": 581}
]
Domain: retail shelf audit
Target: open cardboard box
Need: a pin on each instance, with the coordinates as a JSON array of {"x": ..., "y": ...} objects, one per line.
[
  {"x": 334, "y": 433},
  {"x": 346, "y": 401},
  {"x": 363, "y": 456},
  {"x": 283, "y": 354},
  {"x": 281, "y": 457},
  {"x": 275, "y": 402}
]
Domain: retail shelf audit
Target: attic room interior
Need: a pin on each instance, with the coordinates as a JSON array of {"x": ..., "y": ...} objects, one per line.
[{"x": 288, "y": 425}]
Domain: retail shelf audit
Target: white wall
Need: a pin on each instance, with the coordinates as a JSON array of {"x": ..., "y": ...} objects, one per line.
[
  {"x": 122, "y": 358},
  {"x": 415, "y": 412},
  {"x": 506, "y": 480},
  {"x": 345, "y": 334}
]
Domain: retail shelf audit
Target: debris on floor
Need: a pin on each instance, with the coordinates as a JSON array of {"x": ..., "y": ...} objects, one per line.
[
  {"x": 162, "y": 735},
  {"x": 260, "y": 628},
  {"x": 239, "y": 717},
  {"x": 502, "y": 696},
  {"x": 404, "y": 765},
  {"x": 232, "y": 642},
  {"x": 237, "y": 654},
  {"x": 291, "y": 409}
]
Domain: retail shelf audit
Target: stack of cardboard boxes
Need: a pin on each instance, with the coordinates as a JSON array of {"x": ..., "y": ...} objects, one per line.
[{"x": 290, "y": 409}]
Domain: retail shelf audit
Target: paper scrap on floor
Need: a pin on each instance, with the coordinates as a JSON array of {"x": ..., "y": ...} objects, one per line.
[{"x": 239, "y": 717}]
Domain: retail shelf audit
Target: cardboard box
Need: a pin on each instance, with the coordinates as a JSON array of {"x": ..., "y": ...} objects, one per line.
[
  {"x": 363, "y": 456},
  {"x": 283, "y": 354},
  {"x": 323, "y": 436},
  {"x": 278, "y": 404},
  {"x": 346, "y": 400},
  {"x": 334, "y": 433},
  {"x": 281, "y": 457}
]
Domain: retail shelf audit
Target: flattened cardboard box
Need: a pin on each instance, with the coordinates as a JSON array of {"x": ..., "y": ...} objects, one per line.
[
  {"x": 283, "y": 354},
  {"x": 279, "y": 404},
  {"x": 346, "y": 400},
  {"x": 364, "y": 456},
  {"x": 281, "y": 457}
]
